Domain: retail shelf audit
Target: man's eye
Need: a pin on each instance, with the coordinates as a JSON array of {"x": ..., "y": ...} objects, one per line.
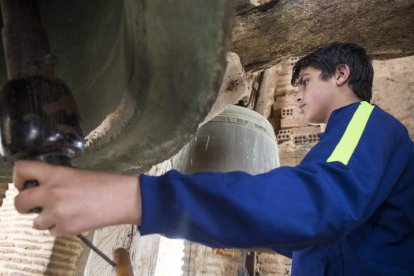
[{"x": 305, "y": 82}]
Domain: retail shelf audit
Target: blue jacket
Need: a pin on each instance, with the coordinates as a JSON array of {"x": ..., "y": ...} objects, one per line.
[{"x": 347, "y": 209}]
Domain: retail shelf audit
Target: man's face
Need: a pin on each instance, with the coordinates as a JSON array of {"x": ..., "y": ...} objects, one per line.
[{"x": 315, "y": 96}]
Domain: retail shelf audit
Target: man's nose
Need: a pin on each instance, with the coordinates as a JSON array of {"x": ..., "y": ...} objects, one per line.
[{"x": 298, "y": 98}]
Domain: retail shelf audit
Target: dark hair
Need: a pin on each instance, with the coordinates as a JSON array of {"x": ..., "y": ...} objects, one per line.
[{"x": 329, "y": 57}]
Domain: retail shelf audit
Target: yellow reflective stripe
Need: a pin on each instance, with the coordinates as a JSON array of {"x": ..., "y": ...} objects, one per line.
[{"x": 350, "y": 139}]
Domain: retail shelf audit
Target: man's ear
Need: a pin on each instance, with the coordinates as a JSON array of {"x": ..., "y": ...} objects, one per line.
[{"x": 342, "y": 74}]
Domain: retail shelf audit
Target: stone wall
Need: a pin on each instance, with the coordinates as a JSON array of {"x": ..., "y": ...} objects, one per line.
[{"x": 394, "y": 89}]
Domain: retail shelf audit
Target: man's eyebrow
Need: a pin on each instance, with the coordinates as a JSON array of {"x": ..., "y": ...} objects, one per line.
[{"x": 300, "y": 79}]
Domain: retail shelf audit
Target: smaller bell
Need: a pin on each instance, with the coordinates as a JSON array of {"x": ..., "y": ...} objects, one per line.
[{"x": 239, "y": 139}]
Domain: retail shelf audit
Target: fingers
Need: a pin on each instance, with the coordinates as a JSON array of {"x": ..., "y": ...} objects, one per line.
[
  {"x": 44, "y": 221},
  {"x": 29, "y": 199},
  {"x": 47, "y": 220},
  {"x": 29, "y": 170},
  {"x": 54, "y": 195},
  {"x": 72, "y": 200}
]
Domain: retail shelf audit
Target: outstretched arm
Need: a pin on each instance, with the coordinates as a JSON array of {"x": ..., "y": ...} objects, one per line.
[{"x": 74, "y": 200}]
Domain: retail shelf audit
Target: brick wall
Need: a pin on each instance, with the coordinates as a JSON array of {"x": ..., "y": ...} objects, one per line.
[{"x": 26, "y": 251}]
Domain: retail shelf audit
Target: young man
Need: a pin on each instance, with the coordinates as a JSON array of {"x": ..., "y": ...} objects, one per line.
[{"x": 347, "y": 209}]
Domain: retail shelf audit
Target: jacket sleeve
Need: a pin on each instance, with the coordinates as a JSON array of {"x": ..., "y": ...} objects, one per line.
[
  {"x": 313, "y": 203},
  {"x": 286, "y": 207}
]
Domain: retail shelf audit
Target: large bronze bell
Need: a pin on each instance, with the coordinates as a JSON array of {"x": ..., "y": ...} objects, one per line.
[{"x": 143, "y": 73}]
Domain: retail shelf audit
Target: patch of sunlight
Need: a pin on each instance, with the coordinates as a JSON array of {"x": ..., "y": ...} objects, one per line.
[{"x": 170, "y": 257}]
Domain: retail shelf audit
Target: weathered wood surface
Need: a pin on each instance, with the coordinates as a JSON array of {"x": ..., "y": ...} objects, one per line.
[
  {"x": 233, "y": 87},
  {"x": 143, "y": 249},
  {"x": 266, "y": 99},
  {"x": 266, "y": 33}
]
